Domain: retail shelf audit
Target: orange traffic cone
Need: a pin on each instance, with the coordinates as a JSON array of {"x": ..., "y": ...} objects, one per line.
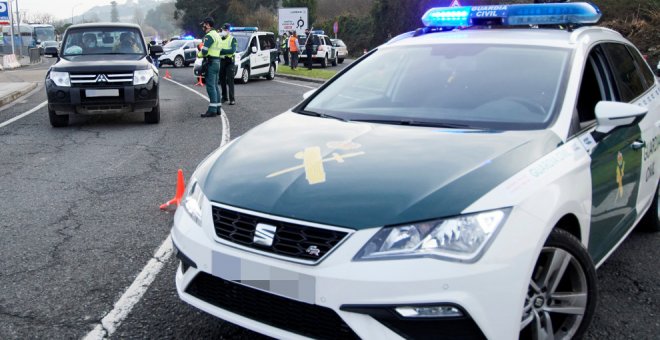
[
  {"x": 199, "y": 81},
  {"x": 180, "y": 188},
  {"x": 167, "y": 74}
]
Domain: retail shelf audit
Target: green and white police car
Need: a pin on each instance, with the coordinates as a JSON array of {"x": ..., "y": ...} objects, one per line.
[{"x": 464, "y": 180}]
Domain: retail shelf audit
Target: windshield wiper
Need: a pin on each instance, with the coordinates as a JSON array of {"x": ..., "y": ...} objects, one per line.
[
  {"x": 410, "y": 122},
  {"x": 322, "y": 115}
]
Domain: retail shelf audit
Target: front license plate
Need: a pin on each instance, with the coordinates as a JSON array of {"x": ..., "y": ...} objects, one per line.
[{"x": 102, "y": 93}]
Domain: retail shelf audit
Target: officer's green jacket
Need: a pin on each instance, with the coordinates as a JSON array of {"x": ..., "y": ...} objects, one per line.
[
  {"x": 228, "y": 46},
  {"x": 211, "y": 45}
]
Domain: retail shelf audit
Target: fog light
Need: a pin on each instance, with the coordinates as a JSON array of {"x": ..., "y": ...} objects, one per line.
[
  {"x": 144, "y": 93},
  {"x": 429, "y": 312},
  {"x": 60, "y": 94}
]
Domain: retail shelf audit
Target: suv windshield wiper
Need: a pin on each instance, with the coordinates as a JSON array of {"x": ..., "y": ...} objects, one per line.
[
  {"x": 322, "y": 115},
  {"x": 410, "y": 122}
]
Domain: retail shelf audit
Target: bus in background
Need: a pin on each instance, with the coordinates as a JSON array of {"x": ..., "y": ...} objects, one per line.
[{"x": 33, "y": 35}]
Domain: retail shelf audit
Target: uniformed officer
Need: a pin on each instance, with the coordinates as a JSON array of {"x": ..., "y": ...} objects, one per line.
[
  {"x": 211, "y": 51},
  {"x": 228, "y": 45},
  {"x": 284, "y": 45}
]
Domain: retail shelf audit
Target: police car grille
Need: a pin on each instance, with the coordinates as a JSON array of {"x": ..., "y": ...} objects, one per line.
[
  {"x": 291, "y": 240},
  {"x": 294, "y": 316},
  {"x": 108, "y": 79}
]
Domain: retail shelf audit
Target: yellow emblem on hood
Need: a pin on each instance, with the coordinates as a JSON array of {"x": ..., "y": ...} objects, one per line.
[{"x": 313, "y": 161}]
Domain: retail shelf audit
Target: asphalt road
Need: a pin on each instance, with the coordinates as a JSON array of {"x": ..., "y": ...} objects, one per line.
[{"x": 79, "y": 220}]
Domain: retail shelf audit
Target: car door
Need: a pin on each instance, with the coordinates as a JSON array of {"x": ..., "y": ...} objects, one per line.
[
  {"x": 254, "y": 55},
  {"x": 189, "y": 52},
  {"x": 333, "y": 50},
  {"x": 263, "y": 55},
  {"x": 615, "y": 162}
]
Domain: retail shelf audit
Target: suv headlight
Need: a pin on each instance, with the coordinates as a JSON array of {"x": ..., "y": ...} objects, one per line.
[
  {"x": 463, "y": 238},
  {"x": 192, "y": 201},
  {"x": 60, "y": 78},
  {"x": 141, "y": 77}
]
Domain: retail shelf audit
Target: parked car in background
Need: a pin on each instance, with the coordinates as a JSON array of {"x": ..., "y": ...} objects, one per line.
[
  {"x": 342, "y": 50},
  {"x": 50, "y": 48},
  {"x": 322, "y": 51},
  {"x": 179, "y": 53}
]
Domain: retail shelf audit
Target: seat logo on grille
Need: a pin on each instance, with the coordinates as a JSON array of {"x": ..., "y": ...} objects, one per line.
[
  {"x": 264, "y": 234},
  {"x": 101, "y": 78},
  {"x": 313, "y": 250}
]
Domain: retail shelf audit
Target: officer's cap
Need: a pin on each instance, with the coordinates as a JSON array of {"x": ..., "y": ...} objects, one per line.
[
  {"x": 226, "y": 26},
  {"x": 208, "y": 20}
]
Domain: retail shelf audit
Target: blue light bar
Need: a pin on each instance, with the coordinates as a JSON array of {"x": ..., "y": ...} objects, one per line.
[
  {"x": 188, "y": 37},
  {"x": 244, "y": 29},
  {"x": 511, "y": 15},
  {"x": 318, "y": 32}
]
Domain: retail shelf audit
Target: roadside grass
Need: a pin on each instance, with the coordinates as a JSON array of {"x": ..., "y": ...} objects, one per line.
[{"x": 302, "y": 71}]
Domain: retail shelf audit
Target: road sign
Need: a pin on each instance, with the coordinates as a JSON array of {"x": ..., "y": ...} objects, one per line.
[
  {"x": 335, "y": 27},
  {"x": 4, "y": 13},
  {"x": 292, "y": 19}
]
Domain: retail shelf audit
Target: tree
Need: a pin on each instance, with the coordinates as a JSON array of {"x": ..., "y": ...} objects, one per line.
[
  {"x": 161, "y": 19},
  {"x": 310, "y": 4},
  {"x": 190, "y": 13},
  {"x": 114, "y": 14},
  {"x": 138, "y": 16}
]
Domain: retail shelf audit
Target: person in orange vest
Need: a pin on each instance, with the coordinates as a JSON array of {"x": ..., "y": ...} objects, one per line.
[{"x": 294, "y": 48}]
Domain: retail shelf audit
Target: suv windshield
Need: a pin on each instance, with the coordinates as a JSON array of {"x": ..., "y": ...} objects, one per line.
[
  {"x": 481, "y": 86},
  {"x": 103, "y": 40}
]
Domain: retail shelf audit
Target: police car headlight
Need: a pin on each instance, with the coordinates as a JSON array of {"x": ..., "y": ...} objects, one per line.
[
  {"x": 192, "y": 201},
  {"x": 141, "y": 77},
  {"x": 60, "y": 78},
  {"x": 464, "y": 238}
]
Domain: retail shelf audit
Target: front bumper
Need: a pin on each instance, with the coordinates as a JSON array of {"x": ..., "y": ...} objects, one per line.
[
  {"x": 359, "y": 295},
  {"x": 131, "y": 98}
]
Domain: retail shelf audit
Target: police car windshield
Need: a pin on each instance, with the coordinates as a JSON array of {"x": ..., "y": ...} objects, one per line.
[
  {"x": 173, "y": 45},
  {"x": 103, "y": 40},
  {"x": 242, "y": 42},
  {"x": 501, "y": 87}
]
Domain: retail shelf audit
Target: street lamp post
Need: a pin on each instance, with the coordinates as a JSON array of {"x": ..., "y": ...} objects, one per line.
[{"x": 20, "y": 36}]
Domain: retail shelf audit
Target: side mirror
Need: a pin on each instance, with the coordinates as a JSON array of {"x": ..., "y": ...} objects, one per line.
[
  {"x": 38, "y": 41},
  {"x": 308, "y": 93},
  {"x": 254, "y": 49},
  {"x": 611, "y": 115}
]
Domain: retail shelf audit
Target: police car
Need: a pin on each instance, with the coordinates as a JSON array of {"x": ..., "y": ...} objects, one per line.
[
  {"x": 180, "y": 53},
  {"x": 256, "y": 54},
  {"x": 323, "y": 51},
  {"x": 464, "y": 180}
]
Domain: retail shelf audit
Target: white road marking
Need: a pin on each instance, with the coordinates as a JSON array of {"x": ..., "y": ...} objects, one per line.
[
  {"x": 286, "y": 82},
  {"x": 136, "y": 290},
  {"x": 24, "y": 114}
]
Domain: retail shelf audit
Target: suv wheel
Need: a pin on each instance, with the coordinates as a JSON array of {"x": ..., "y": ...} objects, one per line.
[
  {"x": 245, "y": 76},
  {"x": 271, "y": 73},
  {"x": 561, "y": 298},
  {"x": 324, "y": 62},
  {"x": 153, "y": 116},
  {"x": 57, "y": 120},
  {"x": 178, "y": 61},
  {"x": 651, "y": 221}
]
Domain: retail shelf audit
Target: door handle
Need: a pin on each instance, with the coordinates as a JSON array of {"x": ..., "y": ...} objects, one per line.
[{"x": 638, "y": 144}]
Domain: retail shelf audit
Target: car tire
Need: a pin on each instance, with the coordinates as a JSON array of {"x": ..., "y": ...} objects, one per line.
[
  {"x": 271, "y": 73},
  {"x": 651, "y": 220},
  {"x": 57, "y": 120},
  {"x": 334, "y": 61},
  {"x": 341, "y": 60},
  {"x": 324, "y": 62},
  {"x": 562, "y": 292},
  {"x": 178, "y": 61},
  {"x": 245, "y": 76},
  {"x": 153, "y": 116}
]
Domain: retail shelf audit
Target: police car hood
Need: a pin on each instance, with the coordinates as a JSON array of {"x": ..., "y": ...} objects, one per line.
[{"x": 362, "y": 175}]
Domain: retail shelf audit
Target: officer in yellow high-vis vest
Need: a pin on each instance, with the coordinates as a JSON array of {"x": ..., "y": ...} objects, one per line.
[
  {"x": 228, "y": 45},
  {"x": 211, "y": 52}
]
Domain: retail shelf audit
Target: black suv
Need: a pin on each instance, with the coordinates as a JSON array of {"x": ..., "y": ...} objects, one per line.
[{"x": 102, "y": 68}]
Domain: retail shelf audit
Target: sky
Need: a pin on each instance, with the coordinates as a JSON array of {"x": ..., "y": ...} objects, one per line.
[{"x": 60, "y": 9}]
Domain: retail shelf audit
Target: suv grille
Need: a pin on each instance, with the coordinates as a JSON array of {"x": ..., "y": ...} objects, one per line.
[
  {"x": 287, "y": 314},
  {"x": 301, "y": 242},
  {"x": 101, "y": 79}
]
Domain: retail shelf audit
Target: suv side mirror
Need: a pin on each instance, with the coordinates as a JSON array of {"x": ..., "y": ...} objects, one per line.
[
  {"x": 611, "y": 115},
  {"x": 254, "y": 49}
]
